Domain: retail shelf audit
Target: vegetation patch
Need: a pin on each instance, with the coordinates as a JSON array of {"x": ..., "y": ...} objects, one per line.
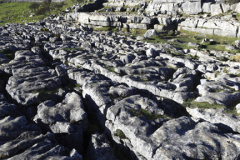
[
  {"x": 113, "y": 29},
  {"x": 236, "y": 58},
  {"x": 205, "y": 105},
  {"x": 120, "y": 134},
  {"x": 45, "y": 93},
  {"x": 202, "y": 105},
  {"x": 10, "y": 54},
  {"x": 72, "y": 49},
  {"x": 216, "y": 74},
  {"x": 216, "y": 90},
  {"x": 219, "y": 45},
  {"x": 142, "y": 113},
  {"x": 19, "y": 12},
  {"x": 111, "y": 69}
]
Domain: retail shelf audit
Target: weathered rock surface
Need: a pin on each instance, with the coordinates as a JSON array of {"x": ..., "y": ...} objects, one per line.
[
  {"x": 133, "y": 92},
  {"x": 161, "y": 138},
  {"x": 30, "y": 77},
  {"x": 217, "y": 117}
]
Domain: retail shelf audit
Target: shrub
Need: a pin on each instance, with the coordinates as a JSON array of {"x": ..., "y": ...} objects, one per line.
[
  {"x": 42, "y": 11},
  {"x": 34, "y": 6}
]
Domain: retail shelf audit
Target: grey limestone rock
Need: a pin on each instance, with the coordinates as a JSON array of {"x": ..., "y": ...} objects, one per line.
[
  {"x": 206, "y": 7},
  {"x": 150, "y": 33},
  {"x": 66, "y": 119},
  {"x": 230, "y": 47},
  {"x": 217, "y": 117},
  {"x": 63, "y": 114},
  {"x": 28, "y": 69},
  {"x": 151, "y": 53},
  {"x": 192, "y": 7},
  {"x": 161, "y": 139},
  {"x": 237, "y": 43},
  {"x": 237, "y": 8},
  {"x": 221, "y": 91},
  {"x": 216, "y": 9}
]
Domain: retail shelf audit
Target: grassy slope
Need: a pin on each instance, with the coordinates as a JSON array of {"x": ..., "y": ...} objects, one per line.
[{"x": 19, "y": 12}]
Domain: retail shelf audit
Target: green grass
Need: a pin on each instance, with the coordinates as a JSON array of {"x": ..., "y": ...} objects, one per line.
[
  {"x": 135, "y": 32},
  {"x": 113, "y": 29},
  {"x": 225, "y": 70},
  {"x": 202, "y": 105},
  {"x": 205, "y": 105},
  {"x": 72, "y": 49},
  {"x": 187, "y": 36},
  {"x": 216, "y": 74},
  {"x": 221, "y": 41},
  {"x": 120, "y": 134},
  {"x": 15, "y": 11},
  {"x": 163, "y": 38},
  {"x": 19, "y": 12},
  {"x": 149, "y": 116},
  {"x": 111, "y": 69}
]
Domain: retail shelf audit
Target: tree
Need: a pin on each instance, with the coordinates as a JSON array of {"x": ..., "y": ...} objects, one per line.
[
  {"x": 47, "y": 5},
  {"x": 34, "y": 6}
]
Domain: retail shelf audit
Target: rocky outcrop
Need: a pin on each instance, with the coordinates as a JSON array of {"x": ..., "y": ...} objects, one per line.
[
  {"x": 66, "y": 91},
  {"x": 20, "y": 139},
  {"x": 152, "y": 137},
  {"x": 221, "y": 90},
  {"x": 217, "y": 117},
  {"x": 212, "y": 26},
  {"x": 123, "y": 20},
  {"x": 30, "y": 77}
]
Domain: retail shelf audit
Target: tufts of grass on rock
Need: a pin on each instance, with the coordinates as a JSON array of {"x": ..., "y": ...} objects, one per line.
[{"x": 142, "y": 113}]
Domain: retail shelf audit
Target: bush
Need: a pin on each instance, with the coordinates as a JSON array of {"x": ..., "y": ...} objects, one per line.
[
  {"x": 47, "y": 5},
  {"x": 34, "y": 6},
  {"x": 41, "y": 11}
]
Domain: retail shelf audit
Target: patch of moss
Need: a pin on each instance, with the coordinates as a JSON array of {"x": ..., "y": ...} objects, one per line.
[
  {"x": 72, "y": 49},
  {"x": 149, "y": 116},
  {"x": 8, "y": 53},
  {"x": 113, "y": 29},
  {"x": 202, "y": 105},
  {"x": 216, "y": 90},
  {"x": 216, "y": 74},
  {"x": 225, "y": 70},
  {"x": 45, "y": 93},
  {"x": 111, "y": 69},
  {"x": 120, "y": 134}
]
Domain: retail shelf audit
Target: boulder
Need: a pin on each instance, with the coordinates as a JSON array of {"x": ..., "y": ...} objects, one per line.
[
  {"x": 237, "y": 8},
  {"x": 216, "y": 9},
  {"x": 206, "y": 7},
  {"x": 192, "y": 7},
  {"x": 237, "y": 43},
  {"x": 217, "y": 117},
  {"x": 150, "y": 33}
]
